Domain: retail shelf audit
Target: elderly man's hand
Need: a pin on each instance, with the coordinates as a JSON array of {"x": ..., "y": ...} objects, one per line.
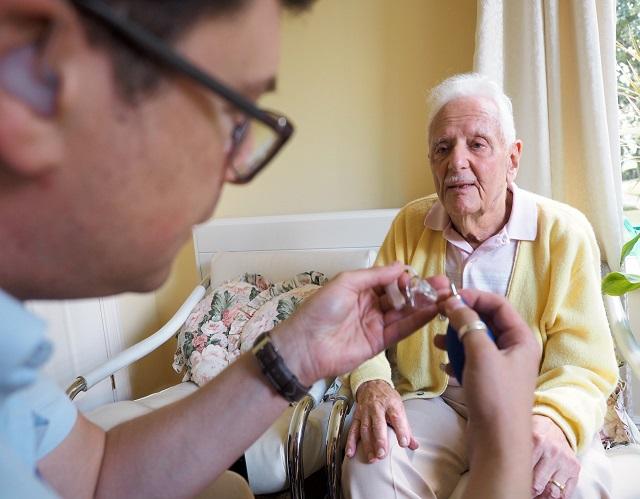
[
  {"x": 555, "y": 465},
  {"x": 378, "y": 404}
]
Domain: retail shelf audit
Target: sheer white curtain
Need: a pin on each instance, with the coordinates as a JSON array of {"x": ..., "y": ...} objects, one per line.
[{"x": 556, "y": 60}]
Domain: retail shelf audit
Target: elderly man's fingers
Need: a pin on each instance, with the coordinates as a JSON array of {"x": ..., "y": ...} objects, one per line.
[
  {"x": 366, "y": 439},
  {"x": 563, "y": 481},
  {"x": 379, "y": 437},
  {"x": 352, "y": 437},
  {"x": 397, "y": 418},
  {"x": 570, "y": 486},
  {"x": 543, "y": 471}
]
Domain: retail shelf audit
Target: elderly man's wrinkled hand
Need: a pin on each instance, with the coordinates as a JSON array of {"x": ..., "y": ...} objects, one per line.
[
  {"x": 378, "y": 404},
  {"x": 555, "y": 465}
]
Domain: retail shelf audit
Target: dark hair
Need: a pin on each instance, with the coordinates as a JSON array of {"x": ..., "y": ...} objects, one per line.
[{"x": 137, "y": 75}]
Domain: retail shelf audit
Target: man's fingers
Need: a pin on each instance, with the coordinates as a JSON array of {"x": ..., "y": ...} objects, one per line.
[
  {"x": 379, "y": 436},
  {"x": 366, "y": 439},
  {"x": 570, "y": 486},
  {"x": 567, "y": 477},
  {"x": 542, "y": 473},
  {"x": 440, "y": 341},
  {"x": 371, "y": 278},
  {"x": 352, "y": 438},
  {"x": 413, "y": 444},
  {"x": 398, "y": 421},
  {"x": 398, "y": 327},
  {"x": 459, "y": 314},
  {"x": 508, "y": 327}
]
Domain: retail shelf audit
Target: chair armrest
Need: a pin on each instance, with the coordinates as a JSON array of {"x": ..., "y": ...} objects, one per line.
[
  {"x": 627, "y": 343},
  {"x": 140, "y": 349},
  {"x": 295, "y": 437},
  {"x": 343, "y": 402}
]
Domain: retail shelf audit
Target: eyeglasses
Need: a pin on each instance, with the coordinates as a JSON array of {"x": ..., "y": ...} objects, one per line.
[{"x": 257, "y": 134}]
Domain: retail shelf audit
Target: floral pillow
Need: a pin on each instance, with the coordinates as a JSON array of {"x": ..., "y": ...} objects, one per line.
[
  {"x": 272, "y": 312},
  {"x": 214, "y": 334},
  {"x": 618, "y": 428}
]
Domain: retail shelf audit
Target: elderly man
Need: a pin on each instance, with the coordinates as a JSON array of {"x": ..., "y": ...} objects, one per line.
[
  {"x": 112, "y": 144},
  {"x": 485, "y": 233}
]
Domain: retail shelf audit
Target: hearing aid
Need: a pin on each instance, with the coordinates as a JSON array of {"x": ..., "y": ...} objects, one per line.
[{"x": 26, "y": 77}]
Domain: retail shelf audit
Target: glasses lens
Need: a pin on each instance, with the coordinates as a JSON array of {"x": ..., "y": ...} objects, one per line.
[{"x": 254, "y": 144}]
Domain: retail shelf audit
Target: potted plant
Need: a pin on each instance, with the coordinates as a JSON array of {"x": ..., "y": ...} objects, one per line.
[{"x": 622, "y": 283}]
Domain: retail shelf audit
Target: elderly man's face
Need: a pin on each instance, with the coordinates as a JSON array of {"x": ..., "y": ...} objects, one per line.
[{"x": 470, "y": 163}]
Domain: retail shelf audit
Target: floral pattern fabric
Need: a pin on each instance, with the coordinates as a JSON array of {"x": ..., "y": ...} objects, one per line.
[
  {"x": 227, "y": 320},
  {"x": 618, "y": 428}
]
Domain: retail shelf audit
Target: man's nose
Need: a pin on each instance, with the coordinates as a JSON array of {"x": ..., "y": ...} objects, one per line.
[{"x": 459, "y": 157}]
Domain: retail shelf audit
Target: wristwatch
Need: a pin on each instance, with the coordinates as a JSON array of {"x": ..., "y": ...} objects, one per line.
[{"x": 274, "y": 368}]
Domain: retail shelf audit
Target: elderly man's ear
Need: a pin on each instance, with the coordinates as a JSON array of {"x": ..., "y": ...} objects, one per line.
[
  {"x": 34, "y": 35},
  {"x": 514, "y": 161}
]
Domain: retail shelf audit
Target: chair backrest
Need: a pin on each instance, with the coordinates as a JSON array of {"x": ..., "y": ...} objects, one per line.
[{"x": 282, "y": 246}]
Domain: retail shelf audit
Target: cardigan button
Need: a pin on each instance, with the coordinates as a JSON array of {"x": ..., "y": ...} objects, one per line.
[{"x": 442, "y": 317}]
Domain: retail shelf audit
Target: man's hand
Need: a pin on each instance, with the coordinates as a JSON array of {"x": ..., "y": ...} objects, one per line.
[
  {"x": 499, "y": 379},
  {"x": 553, "y": 461},
  {"x": 347, "y": 322},
  {"x": 378, "y": 404}
]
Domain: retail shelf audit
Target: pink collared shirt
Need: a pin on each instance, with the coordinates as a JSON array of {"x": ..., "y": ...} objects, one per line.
[{"x": 489, "y": 266}]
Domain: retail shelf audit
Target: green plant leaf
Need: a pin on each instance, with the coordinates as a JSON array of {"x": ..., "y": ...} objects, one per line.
[
  {"x": 618, "y": 283},
  {"x": 628, "y": 248}
]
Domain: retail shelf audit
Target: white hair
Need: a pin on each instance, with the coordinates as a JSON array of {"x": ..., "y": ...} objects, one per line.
[{"x": 473, "y": 85}]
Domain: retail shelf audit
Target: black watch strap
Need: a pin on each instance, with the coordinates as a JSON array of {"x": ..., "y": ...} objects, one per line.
[{"x": 272, "y": 364}]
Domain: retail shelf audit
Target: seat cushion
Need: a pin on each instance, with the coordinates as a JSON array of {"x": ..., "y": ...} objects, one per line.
[{"x": 110, "y": 415}]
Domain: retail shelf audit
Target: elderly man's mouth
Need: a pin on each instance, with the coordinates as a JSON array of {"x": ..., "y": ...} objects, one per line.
[{"x": 460, "y": 188}]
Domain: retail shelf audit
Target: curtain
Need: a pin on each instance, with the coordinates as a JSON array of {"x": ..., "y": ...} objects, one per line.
[{"x": 556, "y": 60}]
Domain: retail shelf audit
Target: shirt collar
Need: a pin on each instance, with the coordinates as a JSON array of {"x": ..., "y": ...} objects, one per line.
[
  {"x": 23, "y": 346},
  {"x": 522, "y": 224}
]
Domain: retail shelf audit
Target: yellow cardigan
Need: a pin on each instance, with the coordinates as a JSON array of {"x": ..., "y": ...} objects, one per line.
[{"x": 555, "y": 285}]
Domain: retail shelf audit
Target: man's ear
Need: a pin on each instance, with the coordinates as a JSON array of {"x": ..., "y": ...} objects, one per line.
[
  {"x": 514, "y": 161},
  {"x": 30, "y": 138}
]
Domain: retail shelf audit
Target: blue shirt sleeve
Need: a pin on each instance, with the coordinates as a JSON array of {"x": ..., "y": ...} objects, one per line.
[{"x": 54, "y": 415}]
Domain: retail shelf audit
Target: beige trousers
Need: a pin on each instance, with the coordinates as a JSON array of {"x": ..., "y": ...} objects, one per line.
[
  {"x": 436, "y": 468},
  {"x": 229, "y": 485}
]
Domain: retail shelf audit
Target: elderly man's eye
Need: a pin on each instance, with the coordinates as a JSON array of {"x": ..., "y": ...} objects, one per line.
[{"x": 440, "y": 149}]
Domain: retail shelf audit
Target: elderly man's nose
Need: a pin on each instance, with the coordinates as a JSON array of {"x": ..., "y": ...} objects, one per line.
[{"x": 459, "y": 157}]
